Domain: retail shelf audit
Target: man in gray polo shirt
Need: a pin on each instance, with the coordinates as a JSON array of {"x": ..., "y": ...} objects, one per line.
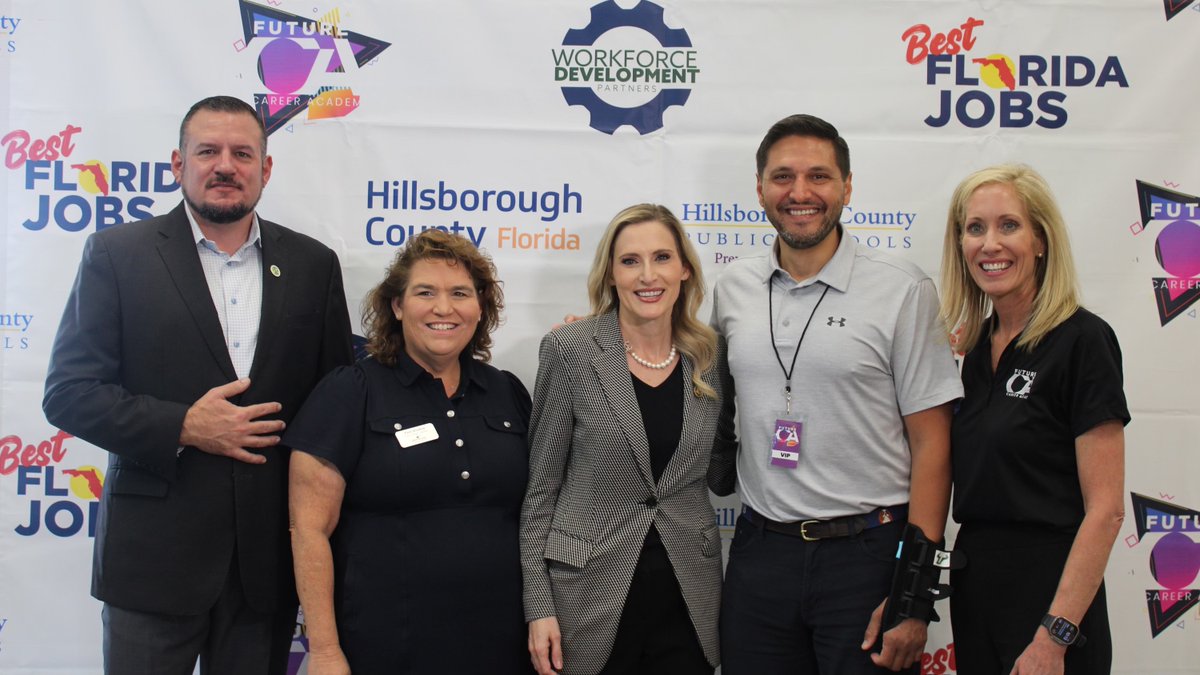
[{"x": 844, "y": 380}]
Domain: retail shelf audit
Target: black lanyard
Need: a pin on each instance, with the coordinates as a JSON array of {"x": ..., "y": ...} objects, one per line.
[{"x": 787, "y": 372}]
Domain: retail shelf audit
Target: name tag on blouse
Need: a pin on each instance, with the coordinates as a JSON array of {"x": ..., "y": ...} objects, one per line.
[{"x": 416, "y": 435}]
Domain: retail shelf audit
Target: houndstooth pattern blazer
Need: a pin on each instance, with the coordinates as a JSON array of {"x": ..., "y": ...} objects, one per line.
[{"x": 586, "y": 510}]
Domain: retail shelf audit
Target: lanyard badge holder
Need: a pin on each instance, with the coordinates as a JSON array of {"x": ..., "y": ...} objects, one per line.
[
  {"x": 788, "y": 436},
  {"x": 785, "y": 446}
]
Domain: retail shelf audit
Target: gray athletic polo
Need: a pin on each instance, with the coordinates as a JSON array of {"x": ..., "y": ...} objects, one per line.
[{"x": 874, "y": 352}]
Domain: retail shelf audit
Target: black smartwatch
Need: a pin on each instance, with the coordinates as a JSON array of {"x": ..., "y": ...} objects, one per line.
[{"x": 1063, "y": 631}]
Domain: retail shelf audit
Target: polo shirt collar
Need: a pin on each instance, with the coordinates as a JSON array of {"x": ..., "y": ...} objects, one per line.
[
  {"x": 409, "y": 370},
  {"x": 835, "y": 274}
]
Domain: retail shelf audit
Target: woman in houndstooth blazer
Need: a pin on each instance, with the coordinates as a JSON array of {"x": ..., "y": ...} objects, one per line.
[{"x": 619, "y": 547}]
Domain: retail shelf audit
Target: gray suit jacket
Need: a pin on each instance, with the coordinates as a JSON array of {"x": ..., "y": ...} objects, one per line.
[
  {"x": 139, "y": 342},
  {"x": 588, "y": 505}
]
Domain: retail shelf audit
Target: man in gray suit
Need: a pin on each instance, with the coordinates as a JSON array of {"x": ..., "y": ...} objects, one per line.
[
  {"x": 187, "y": 343},
  {"x": 843, "y": 378}
]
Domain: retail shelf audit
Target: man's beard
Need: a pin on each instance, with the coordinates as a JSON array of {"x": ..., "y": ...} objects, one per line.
[
  {"x": 219, "y": 215},
  {"x": 806, "y": 241}
]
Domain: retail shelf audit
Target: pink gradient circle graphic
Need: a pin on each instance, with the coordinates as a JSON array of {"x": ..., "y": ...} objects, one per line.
[
  {"x": 1175, "y": 561},
  {"x": 1178, "y": 249},
  {"x": 283, "y": 65}
]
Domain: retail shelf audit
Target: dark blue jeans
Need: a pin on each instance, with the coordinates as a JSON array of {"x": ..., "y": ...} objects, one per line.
[{"x": 795, "y": 607}]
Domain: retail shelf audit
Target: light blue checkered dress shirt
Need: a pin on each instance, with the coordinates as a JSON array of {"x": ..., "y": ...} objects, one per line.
[{"x": 235, "y": 284}]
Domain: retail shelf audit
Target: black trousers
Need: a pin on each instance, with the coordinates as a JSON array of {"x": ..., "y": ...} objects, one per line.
[
  {"x": 796, "y": 607},
  {"x": 656, "y": 634},
  {"x": 1004, "y": 591},
  {"x": 229, "y": 639}
]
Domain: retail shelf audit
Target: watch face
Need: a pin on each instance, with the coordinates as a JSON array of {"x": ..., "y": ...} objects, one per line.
[{"x": 1064, "y": 631}]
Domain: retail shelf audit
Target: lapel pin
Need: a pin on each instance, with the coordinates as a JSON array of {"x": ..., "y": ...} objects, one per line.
[{"x": 275, "y": 271}]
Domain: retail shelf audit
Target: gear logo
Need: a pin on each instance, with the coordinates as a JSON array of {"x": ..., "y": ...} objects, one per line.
[{"x": 626, "y": 67}]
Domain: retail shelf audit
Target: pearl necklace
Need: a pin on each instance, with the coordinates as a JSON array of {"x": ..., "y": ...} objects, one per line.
[{"x": 653, "y": 366}]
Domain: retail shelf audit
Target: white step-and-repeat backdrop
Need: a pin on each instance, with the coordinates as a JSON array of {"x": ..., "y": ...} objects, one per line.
[{"x": 526, "y": 124}]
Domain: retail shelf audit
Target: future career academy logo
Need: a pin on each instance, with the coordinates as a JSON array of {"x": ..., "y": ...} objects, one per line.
[
  {"x": 979, "y": 88},
  {"x": 303, "y": 62},
  {"x": 1174, "y": 558},
  {"x": 1176, "y": 217},
  {"x": 626, "y": 67}
]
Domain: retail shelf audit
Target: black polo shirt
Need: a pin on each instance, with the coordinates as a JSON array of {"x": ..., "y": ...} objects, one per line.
[
  {"x": 426, "y": 550},
  {"x": 478, "y": 457},
  {"x": 1013, "y": 435}
]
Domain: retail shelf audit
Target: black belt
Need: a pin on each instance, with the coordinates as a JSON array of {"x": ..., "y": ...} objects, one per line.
[{"x": 845, "y": 526}]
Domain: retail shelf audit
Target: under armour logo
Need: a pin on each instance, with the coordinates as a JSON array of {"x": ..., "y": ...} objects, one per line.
[{"x": 840, "y": 322}]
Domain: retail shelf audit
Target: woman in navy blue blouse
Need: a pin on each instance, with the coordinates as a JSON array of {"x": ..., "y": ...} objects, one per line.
[{"x": 407, "y": 479}]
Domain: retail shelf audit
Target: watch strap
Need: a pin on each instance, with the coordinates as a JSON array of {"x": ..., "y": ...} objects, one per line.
[{"x": 1051, "y": 622}]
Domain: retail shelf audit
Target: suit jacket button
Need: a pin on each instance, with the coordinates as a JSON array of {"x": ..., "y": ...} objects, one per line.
[{"x": 651, "y": 502}]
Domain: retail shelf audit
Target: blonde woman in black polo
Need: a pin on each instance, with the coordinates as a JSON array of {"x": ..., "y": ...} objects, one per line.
[{"x": 1038, "y": 442}]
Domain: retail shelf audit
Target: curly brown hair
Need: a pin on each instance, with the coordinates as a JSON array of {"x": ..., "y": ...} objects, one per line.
[{"x": 385, "y": 336}]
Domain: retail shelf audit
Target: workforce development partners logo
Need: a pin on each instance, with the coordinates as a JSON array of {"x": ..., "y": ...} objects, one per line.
[
  {"x": 62, "y": 501},
  {"x": 303, "y": 62},
  {"x": 77, "y": 194},
  {"x": 1176, "y": 248},
  {"x": 1174, "y": 558},
  {"x": 723, "y": 231},
  {"x": 626, "y": 67},
  {"x": 443, "y": 197},
  {"x": 1016, "y": 92}
]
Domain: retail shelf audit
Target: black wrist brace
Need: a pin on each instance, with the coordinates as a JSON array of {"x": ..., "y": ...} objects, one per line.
[{"x": 916, "y": 581}]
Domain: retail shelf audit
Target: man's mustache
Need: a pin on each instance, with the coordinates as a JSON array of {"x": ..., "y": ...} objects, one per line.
[{"x": 226, "y": 181}]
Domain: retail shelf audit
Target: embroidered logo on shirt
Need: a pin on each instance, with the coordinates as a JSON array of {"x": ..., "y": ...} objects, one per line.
[
  {"x": 841, "y": 322},
  {"x": 1020, "y": 383}
]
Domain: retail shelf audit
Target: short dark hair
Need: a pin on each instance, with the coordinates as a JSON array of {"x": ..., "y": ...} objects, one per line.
[
  {"x": 805, "y": 125},
  {"x": 226, "y": 104},
  {"x": 385, "y": 334}
]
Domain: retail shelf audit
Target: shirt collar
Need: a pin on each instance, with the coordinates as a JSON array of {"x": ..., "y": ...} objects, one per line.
[
  {"x": 409, "y": 370},
  {"x": 835, "y": 273},
  {"x": 253, "y": 239}
]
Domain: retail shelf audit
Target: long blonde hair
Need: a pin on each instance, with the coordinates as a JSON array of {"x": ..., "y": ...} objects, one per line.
[
  {"x": 693, "y": 338},
  {"x": 964, "y": 306}
]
